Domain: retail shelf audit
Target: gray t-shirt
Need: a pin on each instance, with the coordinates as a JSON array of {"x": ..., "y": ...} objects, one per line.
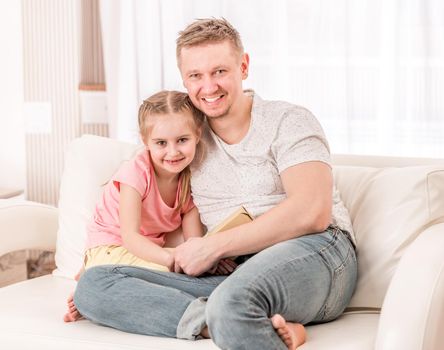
[{"x": 247, "y": 173}]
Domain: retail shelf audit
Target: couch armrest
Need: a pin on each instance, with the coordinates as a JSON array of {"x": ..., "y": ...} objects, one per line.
[
  {"x": 27, "y": 225},
  {"x": 412, "y": 314}
]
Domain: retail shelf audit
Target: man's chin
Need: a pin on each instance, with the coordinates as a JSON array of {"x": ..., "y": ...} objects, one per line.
[{"x": 213, "y": 115}]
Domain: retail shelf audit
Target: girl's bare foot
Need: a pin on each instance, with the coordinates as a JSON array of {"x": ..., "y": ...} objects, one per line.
[
  {"x": 73, "y": 314},
  {"x": 204, "y": 333},
  {"x": 292, "y": 334}
]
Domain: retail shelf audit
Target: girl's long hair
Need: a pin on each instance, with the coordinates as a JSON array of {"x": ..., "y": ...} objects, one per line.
[{"x": 164, "y": 103}]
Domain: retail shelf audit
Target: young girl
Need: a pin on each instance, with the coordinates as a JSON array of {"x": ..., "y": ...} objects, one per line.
[{"x": 149, "y": 196}]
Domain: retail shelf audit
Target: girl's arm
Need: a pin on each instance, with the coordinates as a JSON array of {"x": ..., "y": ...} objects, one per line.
[
  {"x": 130, "y": 208},
  {"x": 191, "y": 225}
]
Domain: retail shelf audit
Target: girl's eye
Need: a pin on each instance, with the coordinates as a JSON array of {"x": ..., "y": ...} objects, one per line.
[
  {"x": 183, "y": 140},
  {"x": 161, "y": 143}
]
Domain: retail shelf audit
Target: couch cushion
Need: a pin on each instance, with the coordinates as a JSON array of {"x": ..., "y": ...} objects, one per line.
[
  {"x": 389, "y": 208},
  {"x": 90, "y": 161},
  {"x": 31, "y": 318}
]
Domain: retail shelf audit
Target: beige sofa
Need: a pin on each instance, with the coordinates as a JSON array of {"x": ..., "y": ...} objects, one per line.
[{"x": 397, "y": 209}]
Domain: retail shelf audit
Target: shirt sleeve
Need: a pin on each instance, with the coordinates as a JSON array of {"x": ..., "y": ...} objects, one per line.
[
  {"x": 189, "y": 204},
  {"x": 299, "y": 138},
  {"x": 134, "y": 173}
]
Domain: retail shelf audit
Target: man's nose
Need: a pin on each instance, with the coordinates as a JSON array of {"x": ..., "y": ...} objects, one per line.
[{"x": 210, "y": 85}]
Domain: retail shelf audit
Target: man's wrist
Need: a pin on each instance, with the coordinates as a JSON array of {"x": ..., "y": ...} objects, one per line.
[{"x": 218, "y": 246}]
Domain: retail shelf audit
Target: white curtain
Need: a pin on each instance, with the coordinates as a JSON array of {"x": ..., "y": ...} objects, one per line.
[{"x": 372, "y": 71}]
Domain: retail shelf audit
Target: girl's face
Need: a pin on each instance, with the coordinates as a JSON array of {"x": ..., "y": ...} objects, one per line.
[{"x": 172, "y": 142}]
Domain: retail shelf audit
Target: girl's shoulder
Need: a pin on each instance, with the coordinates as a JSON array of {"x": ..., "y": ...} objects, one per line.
[
  {"x": 136, "y": 172},
  {"x": 142, "y": 158},
  {"x": 137, "y": 166}
]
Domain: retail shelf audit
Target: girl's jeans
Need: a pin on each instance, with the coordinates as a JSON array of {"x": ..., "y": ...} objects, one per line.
[{"x": 306, "y": 279}]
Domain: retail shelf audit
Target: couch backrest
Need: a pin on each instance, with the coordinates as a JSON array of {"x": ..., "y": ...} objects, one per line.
[
  {"x": 90, "y": 161},
  {"x": 389, "y": 207}
]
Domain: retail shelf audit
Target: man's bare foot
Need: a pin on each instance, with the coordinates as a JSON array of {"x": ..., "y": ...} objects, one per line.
[
  {"x": 73, "y": 314},
  {"x": 292, "y": 334}
]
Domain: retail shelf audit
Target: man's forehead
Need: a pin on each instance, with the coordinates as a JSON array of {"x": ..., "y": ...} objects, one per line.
[
  {"x": 216, "y": 45},
  {"x": 218, "y": 52}
]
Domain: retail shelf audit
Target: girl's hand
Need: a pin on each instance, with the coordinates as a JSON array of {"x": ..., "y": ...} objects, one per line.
[
  {"x": 169, "y": 261},
  {"x": 224, "y": 267}
]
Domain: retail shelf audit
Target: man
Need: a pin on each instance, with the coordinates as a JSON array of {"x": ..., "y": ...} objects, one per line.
[{"x": 273, "y": 158}]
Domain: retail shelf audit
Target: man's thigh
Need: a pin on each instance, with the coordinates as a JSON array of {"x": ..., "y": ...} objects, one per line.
[{"x": 305, "y": 279}]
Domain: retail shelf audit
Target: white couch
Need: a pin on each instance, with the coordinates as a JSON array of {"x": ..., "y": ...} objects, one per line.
[{"x": 397, "y": 209}]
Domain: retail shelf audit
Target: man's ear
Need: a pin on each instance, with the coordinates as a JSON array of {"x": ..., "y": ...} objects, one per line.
[{"x": 245, "y": 64}]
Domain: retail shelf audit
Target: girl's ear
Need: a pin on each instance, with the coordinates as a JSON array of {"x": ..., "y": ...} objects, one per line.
[{"x": 142, "y": 139}]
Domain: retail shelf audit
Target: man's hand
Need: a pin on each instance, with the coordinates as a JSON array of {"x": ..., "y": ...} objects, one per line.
[{"x": 194, "y": 257}]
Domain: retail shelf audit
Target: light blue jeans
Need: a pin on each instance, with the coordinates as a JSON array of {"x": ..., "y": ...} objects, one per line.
[{"x": 306, "y": 279}]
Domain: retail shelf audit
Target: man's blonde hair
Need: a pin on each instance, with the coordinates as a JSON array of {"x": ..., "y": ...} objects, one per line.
[{"x": 208, "y": 30}]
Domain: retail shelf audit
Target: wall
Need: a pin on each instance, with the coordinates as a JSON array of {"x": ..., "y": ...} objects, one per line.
[
  {"x": 12, "y": 140},
  {"x": 52, "y": 41}
]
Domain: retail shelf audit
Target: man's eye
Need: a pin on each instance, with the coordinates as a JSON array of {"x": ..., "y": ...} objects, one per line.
[
  {"x": 220, "y": 71},
  {"x": 194, "y": 76}
]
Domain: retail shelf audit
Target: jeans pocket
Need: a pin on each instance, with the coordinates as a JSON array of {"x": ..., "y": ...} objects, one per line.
[{"x": 344, "y": 276}]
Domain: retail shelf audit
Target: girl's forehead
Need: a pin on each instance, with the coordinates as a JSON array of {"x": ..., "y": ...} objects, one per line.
[{"x": 171, "y": 125}]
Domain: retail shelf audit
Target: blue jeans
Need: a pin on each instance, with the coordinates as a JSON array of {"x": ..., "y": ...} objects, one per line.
[{"x": 306, "y": 279}]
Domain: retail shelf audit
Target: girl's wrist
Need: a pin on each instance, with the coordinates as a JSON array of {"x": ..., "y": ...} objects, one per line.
[{"x": 168, "y": 260}]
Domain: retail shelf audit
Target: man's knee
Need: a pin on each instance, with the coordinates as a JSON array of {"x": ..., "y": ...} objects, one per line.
[{"x": 229, "y": 304}]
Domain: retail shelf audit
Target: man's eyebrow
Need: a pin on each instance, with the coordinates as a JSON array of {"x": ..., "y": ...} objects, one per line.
[
  {"x": 193, "y": 71},
  {"x": 196, "y": 71}
]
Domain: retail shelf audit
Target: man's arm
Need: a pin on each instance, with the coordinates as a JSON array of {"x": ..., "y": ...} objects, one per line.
[{"x": 306, "y": 209}]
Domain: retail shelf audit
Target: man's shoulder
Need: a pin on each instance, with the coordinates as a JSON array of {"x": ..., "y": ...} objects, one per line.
[
  {"x": 275, "y": 112},
  {"x": 277, "y": 107}
]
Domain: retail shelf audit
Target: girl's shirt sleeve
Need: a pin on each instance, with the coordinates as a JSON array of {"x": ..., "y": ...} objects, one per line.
[{"x": 134, "y": 173}]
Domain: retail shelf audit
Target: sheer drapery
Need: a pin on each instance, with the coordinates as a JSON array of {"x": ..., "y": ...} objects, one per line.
[{"x": 372, "y": 71}]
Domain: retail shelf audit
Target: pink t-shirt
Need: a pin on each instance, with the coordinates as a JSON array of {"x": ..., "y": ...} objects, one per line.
[{"x": 157, "y": 218}]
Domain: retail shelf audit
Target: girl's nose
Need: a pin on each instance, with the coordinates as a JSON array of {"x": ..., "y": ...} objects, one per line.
[{"x": 173, "y": 150}]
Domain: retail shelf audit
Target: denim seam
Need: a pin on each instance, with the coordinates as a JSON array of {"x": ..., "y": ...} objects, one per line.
[
  {"x": 172, "y": 276},
  {"x": 337, "y": 272}
]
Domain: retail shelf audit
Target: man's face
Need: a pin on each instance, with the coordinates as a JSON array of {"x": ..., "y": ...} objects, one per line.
[{"x": 212, "y": 74}]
